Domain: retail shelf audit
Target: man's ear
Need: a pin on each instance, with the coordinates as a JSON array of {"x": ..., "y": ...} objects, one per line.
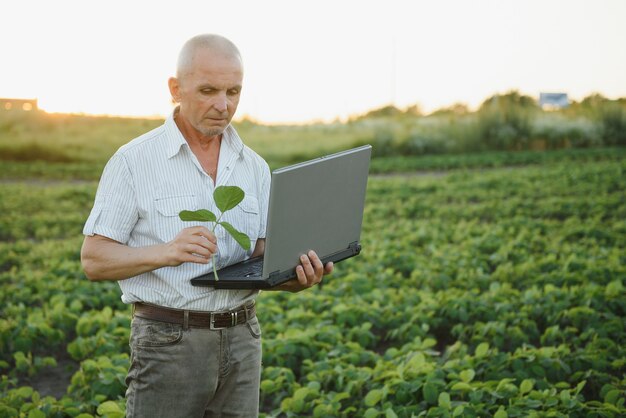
[{"x": 174, "y": 86}]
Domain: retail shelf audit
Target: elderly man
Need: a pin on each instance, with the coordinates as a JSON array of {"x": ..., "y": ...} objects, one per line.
[{"x": 187, "y": 357}]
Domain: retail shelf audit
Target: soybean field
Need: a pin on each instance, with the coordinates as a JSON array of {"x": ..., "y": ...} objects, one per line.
[{"x": 493, "y": 290}]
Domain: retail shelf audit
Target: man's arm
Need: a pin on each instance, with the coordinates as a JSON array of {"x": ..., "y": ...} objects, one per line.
[
  {"x": 309, "y": 272},
  {"x": 105, "y": 259}
]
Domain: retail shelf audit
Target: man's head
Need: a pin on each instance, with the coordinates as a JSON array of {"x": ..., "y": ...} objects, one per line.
[{"x": 208, "y": 82}]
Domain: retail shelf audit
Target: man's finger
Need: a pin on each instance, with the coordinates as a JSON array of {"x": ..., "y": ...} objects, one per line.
[
  {"x": 199, "y": 250},
  {"x": 308, "y": 268},
  {"x": 202, "y": 242},
  {"x": 301, "y": 276},
  {"x": 316, "y": 263},
  {"x": 202, "y": 231}
]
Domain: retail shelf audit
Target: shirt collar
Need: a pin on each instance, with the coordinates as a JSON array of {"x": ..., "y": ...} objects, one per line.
[
  {"x": 230, "y": 137},
  {"x": 175, "y": 136}
]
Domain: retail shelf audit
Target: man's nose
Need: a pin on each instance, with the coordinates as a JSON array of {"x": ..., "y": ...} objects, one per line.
[{"x": 221, "y": 103}]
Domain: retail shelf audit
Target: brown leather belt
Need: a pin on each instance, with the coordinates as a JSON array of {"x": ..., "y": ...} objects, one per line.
[{"x": 197, "y": 319}]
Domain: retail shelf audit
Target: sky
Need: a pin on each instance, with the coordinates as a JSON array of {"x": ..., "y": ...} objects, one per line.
[{"x": 312, "y": 60}]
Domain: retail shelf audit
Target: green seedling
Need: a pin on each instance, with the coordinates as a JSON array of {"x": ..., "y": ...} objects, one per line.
[{"x": 226, "y": 198}]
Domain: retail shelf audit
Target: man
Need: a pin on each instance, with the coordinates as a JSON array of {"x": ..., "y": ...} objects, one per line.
[{"x": 194, "y": 351}]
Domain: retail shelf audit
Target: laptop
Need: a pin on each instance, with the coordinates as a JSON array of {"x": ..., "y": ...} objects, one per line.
[{"x": 315, "y": 205}]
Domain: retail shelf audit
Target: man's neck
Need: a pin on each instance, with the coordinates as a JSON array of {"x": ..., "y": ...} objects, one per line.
[{"x": 206, "y": 148}]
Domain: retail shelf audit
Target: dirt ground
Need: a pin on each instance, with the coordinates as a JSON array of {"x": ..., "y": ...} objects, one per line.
[{"x": 53, "y": 381}]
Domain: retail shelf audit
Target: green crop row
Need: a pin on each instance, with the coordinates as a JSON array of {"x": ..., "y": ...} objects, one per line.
[
  {"x": 478, "y": 293},
  {"x": 88, "y": 171}
]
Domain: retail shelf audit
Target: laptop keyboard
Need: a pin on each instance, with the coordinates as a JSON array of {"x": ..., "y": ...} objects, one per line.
[
  {"x": 251, "y": 268},
  {"x": 255, "y": 269}
]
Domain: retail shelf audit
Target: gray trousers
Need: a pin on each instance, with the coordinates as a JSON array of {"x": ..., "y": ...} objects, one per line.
[{"x": 193, "y": 373}]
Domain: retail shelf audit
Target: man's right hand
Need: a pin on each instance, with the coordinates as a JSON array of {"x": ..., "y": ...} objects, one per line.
[
  {"x": 195, "y": 244},
  {"x": 105, "y": 259}
]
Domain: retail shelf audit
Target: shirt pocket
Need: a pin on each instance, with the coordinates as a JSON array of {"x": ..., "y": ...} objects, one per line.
[
  {"x": 250, "y": 214},
  {"x": 245, "y": 217},
  {"x": 166, "y": 222}
]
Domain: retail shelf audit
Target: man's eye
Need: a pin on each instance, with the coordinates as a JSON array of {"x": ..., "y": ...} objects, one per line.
[
  {"x": 233, "y": 92},
  {"x": 207, "y": 91}
]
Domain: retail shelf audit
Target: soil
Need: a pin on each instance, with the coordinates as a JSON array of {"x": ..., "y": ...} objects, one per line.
[{"x": 53, "y": 381}]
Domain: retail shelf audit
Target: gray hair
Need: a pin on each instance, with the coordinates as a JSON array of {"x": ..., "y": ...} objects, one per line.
[{"x": 209, "y": 41}]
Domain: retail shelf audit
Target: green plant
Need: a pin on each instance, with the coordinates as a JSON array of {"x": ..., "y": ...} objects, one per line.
[{"x": 226, "y": 198}]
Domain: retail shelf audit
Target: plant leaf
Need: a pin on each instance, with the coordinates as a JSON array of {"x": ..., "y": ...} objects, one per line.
[
  {"x": 481, "y": 350},
  {"x": 444, "y": 400},
  {"x": 201, "y": 215},
  {"x": 241, "y": 238},
  {"x": 467, "y": 375},
  {"x": 430, "y": 392},
  {"x": 373, "y": 397},
  {"x": 227, "y": 197},
  {"x": 526, "y": 386}
]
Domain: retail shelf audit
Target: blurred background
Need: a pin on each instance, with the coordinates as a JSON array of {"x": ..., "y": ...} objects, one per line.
[
  {"x": 492, "y": 280},
  {"x": 410, "y": 77}
]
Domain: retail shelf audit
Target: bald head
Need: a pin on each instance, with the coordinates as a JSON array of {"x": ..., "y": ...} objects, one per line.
[
  {"x": 207, "y": 86},
  {"x": 215, "y": 44}
]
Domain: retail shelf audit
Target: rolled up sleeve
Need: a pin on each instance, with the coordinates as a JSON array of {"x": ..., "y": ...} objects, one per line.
[{"x": 114, "y": 213}]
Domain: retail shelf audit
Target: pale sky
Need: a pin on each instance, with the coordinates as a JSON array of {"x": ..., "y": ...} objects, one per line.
[{"x": 312, "y": 60}]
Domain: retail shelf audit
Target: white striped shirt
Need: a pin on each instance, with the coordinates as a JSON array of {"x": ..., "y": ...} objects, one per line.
[{"x": 149, "y": 181}]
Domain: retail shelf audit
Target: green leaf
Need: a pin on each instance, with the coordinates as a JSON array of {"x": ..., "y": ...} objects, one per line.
[
  {"x": 482, "y": 349},
  {"x": 227, "y": 197},
  {"x": 322, "y": 410},
  {"x": 201, "y": 215},
  {"x": 444, "y": 400},
  {"x": 373, "y": 397},
  {"x": 268, "y": 386},
  {"x": 300, "y": 393},
  {"x": 580, "y": 386},
  {"x": 614, "y": 289},
  {"x": 526, "y": 386},
  {"x": 241, "y": 238},
  {"x": 417, "y": 361},
  {"x": 36, "y": 413},
  {"x": 24, "y": 392},
  {"x": 501, "y": 413},
  {"x": 390, "y": 414},
  {"x": 109, "y": 407},
  {"x": 461, "y": 386},
  {"x": 341, "y": 396},
  {"x": 467, "y": 375},
  {"x": 430, "y": 393},
  {"x": 611, "y": 397},
  {"x": 458, "y": 411},
  {"x": 371, "y": 413}
]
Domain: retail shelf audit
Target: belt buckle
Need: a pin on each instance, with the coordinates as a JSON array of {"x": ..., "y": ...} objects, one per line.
[
  {"x": 233, "y": 320},
  {"x": 212, "y": 322}
]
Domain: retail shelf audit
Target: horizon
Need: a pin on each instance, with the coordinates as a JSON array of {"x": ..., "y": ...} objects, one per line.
[
  {"x": 242, "y": 118},
  {"x": 316, "y": 61}
]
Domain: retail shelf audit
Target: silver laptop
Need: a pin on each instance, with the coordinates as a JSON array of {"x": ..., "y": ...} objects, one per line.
[{"x": 314, "y": 205}]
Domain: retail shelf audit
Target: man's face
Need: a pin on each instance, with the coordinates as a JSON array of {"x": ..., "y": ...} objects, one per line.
[{"x": 209, "y": 92}]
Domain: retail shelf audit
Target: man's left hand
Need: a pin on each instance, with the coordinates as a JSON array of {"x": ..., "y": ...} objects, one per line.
[{"x": 308, "y": 273}]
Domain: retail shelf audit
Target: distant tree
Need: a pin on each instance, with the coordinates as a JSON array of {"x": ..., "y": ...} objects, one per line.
[
  {"x": 413, "y": 110},
  {"x": 504, "y": 121},
  {"x": 457, "y": 109},
  {"x": 383, "y": 112},
  {"x": 511, "y": 99},
  {"x": 593, "y": 101}
]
